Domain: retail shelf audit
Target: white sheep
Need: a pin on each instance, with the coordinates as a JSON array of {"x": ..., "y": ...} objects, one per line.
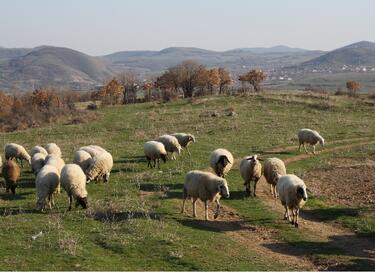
[
  {"x": 53, "y": 148},
  {"x": 184, "y": 139},
  {"x": 46, "y": 184},
  {"x": 272, "y": 168},
  {"x": 38, "y": 149},
  {"x": 221, "y": 161},
  {"x": 171, "y": 145},
  {"x": 83, "y": 159},
  {"x": 308, "y": 136},
  {"x": 251, "y": 170},
  {"x": 206, "y": 187},
  {"x": 37, "y": 162},
  {"x": 100, "y": 167},
  {"x": 154, "y": 151},
  {"x": 93, "y": 150},
  {"x": 57, "y": 162},
  {"x": 16, "y": 151},
  {"x": 293, "y": 195},
  {"x": 73, "y": 180}
]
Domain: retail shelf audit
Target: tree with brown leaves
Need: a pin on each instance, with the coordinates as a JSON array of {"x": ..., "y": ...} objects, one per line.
[
  {"x": 353, "y": 87},
  {"x": 225, "y": 80},
  {"x": 254, "y": 78}
]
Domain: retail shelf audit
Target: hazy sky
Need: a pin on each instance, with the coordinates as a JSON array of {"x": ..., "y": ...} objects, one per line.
[{"x": 100, "y": 27}]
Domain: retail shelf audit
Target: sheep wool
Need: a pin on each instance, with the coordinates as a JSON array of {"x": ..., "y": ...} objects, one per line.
[
  {"x": 37, "y": 162},
  {"x": 46, "y": 183},
  {"x": 154, "y": 151},
  {"x": 73, "y": 181},
  {"x": 184, "y": 140},
  {"x": 93, "y": 150},
  {"x": 83, "y": 159},
  {"x": 11, "y": 172},
  {"x": 221, "y": 161},
  {"x": 171, "y": 144},
  {"x": 16, "y": 151},
  {"x": 308, "y": 136},
  {"x": 100, "y": 167},
  {"x": 206, "y": 187},
  {"x": 53, "y": 148},
  {"x": 273, "y": 167},
  {"x": 293, "y": 195},
  {"x": 251, "y": 170},
  {"x": 38, "y": 149}
]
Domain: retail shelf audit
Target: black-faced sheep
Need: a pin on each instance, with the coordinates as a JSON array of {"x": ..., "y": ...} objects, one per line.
[
  {"x": 221, "y": 161},
  {"x": 73, "y": 181}
]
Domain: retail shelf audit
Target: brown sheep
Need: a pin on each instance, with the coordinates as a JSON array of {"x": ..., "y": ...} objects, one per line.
[{"x": 11, "y": 173}]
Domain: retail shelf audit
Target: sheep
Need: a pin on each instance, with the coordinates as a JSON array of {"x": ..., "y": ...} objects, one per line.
[
  {"x": 221, "y": 161},
  {"x": 206, "y": 187},
  {"x": 154, "y": 151},
  {"x": 83, "y": 159},
  {"x": 73, "y": 180},
  {"x": 309, "y": 136},
  {"x": 37, "y": 162},
  {"x": 38, "y": 149},
  {"x": 184, "y": 139},
  {"x": 11, "y": 172},
  {"x": 53, "y": 148},
  {"x": 93, "y": 150},
  {"x": 57, "y": 162},
  {"x": 272, "y": 168},
  {"x": 16, "y": 151},
  {"x": 100, "y": 167},
  {"x": 47, "y": 182},
  {"x": 171, "y": 144},
  {"x": 293, "y": 195},
  {"x": 251, "y": 170}
]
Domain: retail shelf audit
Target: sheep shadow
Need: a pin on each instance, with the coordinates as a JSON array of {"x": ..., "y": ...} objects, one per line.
[
  {"x": 328, "y": 214},
  {"x": 132, "y": 159},
  {"x": 17, "y": 196},
  {"x": 214, "y": 225},
  {"x": 265, "y": 152},
  {"x": 109, "y": 216},
  {"x": 7, "y": 211},
  {"x": 126, "y": 169},
  {"x": 343, "y": 245},
  {"x": 159, "y": 187},
  {"x": 26, "y": 183}
]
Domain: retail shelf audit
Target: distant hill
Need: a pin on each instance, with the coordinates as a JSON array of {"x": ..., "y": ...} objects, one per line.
[
  {"x": 274, "y": 49},
  {"x": 53, "y": 66},
  {"x": 10, "y": 53},
  {"x": 356, "y": 54}
]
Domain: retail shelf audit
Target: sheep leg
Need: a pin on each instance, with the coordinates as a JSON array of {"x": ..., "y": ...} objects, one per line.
[
  {"x": 287, "y": 213},
  {"x": 304, "y": 146},
  {"x": 183, "y": 206},
  {"x": 314, "y": 149},
  {"x": 299, "y": 147},
  {"x": 255, "y": 187},
  {"x": 217, "y": 208},
  {"x": 195, "y": 207},
  {"x": 296, "y": 220},
  {"x": 158, "y": 161},
  {"x": 206, "y": 210},
  {"x": 247, "y": 188},
  {"x": 70, "y": 202},
  {"x": 187, "y": 149}
]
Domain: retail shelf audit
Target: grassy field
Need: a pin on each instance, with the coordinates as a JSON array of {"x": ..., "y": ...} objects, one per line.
[{"x": 134, "y": 223}]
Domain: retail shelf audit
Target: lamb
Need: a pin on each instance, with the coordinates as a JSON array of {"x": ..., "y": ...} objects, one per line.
[
  {"x": 83, "y": 159},
  {"x": 73, "y": 180},
  {"x": 93, "y": 150},
  {"x": 206, "y": 187},
  {"x": 100, "y": 167},
  {"x": 293, "y": 195},
  {"x": 37, "y": 162},
  {"x": 184, "y": 140},
  {"x": 46, "y": 182},
  {"x": 251, "y": 170},
  {"x": 221, "y": 161},
  {"x": 309, "y": 136},
  {"x": 11, "y": 172},
  {"x": 154, "y": 151},
  {"x": 38, "y": 149},
  {"x": 171, "y": 144},
  {"x": 272, "y": 168},
  {"x": 52, "y": 148},
  {"x": 16, "y": 151}
]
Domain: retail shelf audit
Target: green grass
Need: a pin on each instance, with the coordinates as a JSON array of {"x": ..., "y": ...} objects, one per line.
[{"x": 124, "y": 229}]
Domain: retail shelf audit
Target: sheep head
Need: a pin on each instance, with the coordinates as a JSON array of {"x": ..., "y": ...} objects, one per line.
[
  {"x": 301, "y": 193},
  {"x": 223, "y": 189}
]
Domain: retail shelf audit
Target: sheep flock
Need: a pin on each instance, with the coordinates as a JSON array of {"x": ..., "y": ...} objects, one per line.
[{"x": 94, "y": 163}]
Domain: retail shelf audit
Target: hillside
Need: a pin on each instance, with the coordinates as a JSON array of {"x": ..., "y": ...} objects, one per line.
[
  {"x": 134, "y": 221},
  {"x": 10, "y": 53},
  {"x": 53, "y": 66}
]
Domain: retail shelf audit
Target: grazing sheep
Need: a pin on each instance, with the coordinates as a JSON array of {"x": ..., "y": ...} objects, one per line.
[
  {"x": 100, "y": 167},
  {"x": 73, "y": 180},
  {"x": 206, "y": 187},
  {"x": 11, "y": 172},
  {"x": 57, "y": 162},
  {"x": 38, "y": 149},
  {"x": 37, "y": 162},
  {"x": 171, "y": 144},
  {"x": 184, "y": 140},
  {"x": 83, "y": 159},
  {"x": 272, "y": 168},
  {"x": 93, "y": 150},
  {"x": 221, "y": 161},
  {"x": 251, "y": 170},
  {"x": 52, "y": 148},
  {"x": 309, "y": 136},
  {"x": 293, "y": 195},
  {"x": 155, "y": 151},
  {"x": 46, "y": 182},
  {"x": 17, "y": 152}
]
